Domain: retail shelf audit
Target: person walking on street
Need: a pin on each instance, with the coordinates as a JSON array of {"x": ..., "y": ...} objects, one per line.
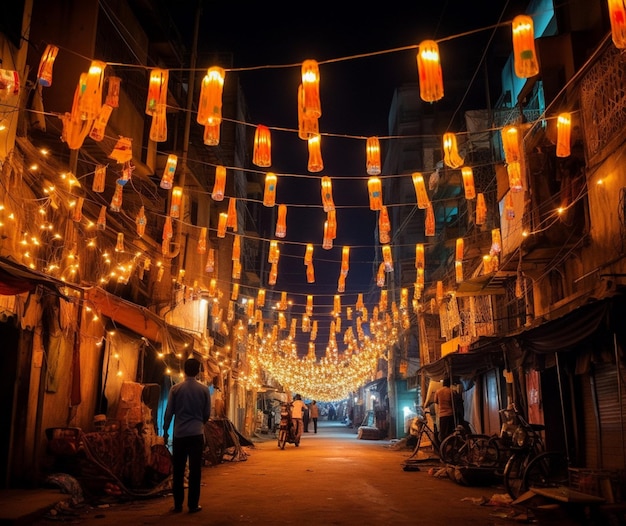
[
  {"x": 305, "y": 419},
  {"x": 314, "y": 413},
  {"x": 445, "y": 409},
  {"x": 189, "y": 403},
  {"x": 297, "y": 411}
]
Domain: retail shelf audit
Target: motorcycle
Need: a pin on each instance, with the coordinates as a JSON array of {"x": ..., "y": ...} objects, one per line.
[{"x": 286, "y": 431}]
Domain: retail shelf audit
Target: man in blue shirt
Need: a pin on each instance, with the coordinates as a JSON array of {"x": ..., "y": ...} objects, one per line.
[{"x": 190, "y": 402}]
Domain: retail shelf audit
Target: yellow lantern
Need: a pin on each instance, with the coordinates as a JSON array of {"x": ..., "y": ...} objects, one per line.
[
  {"x": 308, "y": 125},
  {"x": 496, "y": 241},
  {"x": 327, "y": 242},
  {"x": 514, "y": 171},
  {"x": 375, "y": 191},
  {"x": 372, "y": 150},
  {"x": 429, "y": 71},
  {"x": 231, "y": 222},
  {"x": 429, "y": 223},
  {"x": 220, "y": 183},
  {"x": 380, "y": 275},
  {"x": 458, "y": 254},
  {"x": 113, "y": 91},
  {"x": 345, "y": 260},
  {"x": 420, "y": 190},
  {"x": 221, "y": 224},
  {"x": 563, "y": 129},
  {"x": 281, "y": 221},
  {"x": 439, "y": 291},
  {"x": 99, "y": 178},
  {"x": 450, "y": 151},
  {"x": 90, "y": 100},
  {"x": 337, "y": 304},
  {"x": 168, "y": 174},
  {"x": 332, "y": 224},
  {"x": 384, "y": 225},
  {"x": 524, "y": 55},
  {"x": 458, "y": 271},
  {"x": 44, "y": 73},
  {"x": 210, "y": 103},
  {"x": 510, "y": 144},
  {"x": 158, "y": 127},
  {"x": 617, "y": 16},
  {"x": 309, "y": 305},
  {"x": 468, "y": 182},
  {"x": 269, "y": 195},
  {"x": 260, "y": 298},
  {"x": 327, "y": 194},
  {"x": 311, "y": 89},
  {"x": 387, "y": 259},
  {"x": 481, "y": 209},
  {"x": 211, "y": 136},
  {"x": 177, "y": 197},
  {"x": 236, "y": 252},
  {"x": 419, "y": 256},
  {"x": 119, "y": 246},
  {"x": 274, "y": 252},
  {"x": 201, "y": 247},
  {"x": 316, "y": 164},
  {"x": 310, "y": 273},
  {"x": 157, "y": 90},
  {"x": 262, "y": 153}
]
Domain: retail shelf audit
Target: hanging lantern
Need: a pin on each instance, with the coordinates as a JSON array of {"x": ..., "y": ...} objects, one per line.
[
  {"x": 231, "y": 222},
  {"x": 337, "y": 305},
  {"x": 459, "y": 249},
  {"x": 468, "y": 182},
  {"x": 514, "y": 171},
  {"x": 260, "y": 298},
  {"x": 168, "y": 231},
  {"x": 281, "y": 221},
  {"x": 327, "y": 194},
  {"x": 99, "y": 178},
  {"x": 220, "y": 183},
  {"x": 101, "y": 224},
  {"x": 308, "y": 125},
  {"x": 157, "y": 90},
  {"x": 310, "y": 273},
  {"x": 123, "y": 150},
  {"x": 211, "y": 135},
  {"x": 158, "y": 127},
  {"x": 496, "y": 241},
  {"x": 269, "y": 195},
  {"x": 309, "y": 305},
  {"x": 308, "y": 254},
  {"x": 141, "y": 222},
  {"x": 375, "y": 191},
  {"x": 511, "y": 144},
  {"x": 273, "y": 274},
  {"x": 262, "y": 153},
  {"x": 113, "y": 91},
  {"x": 345, "y": 260},
  {"x": 509, "y": 208},
  {"x": 314, "y": 331},
  {"x": 332, "y": 224},
  {"x": 429, "y": 222},
  {"x": 429, "y": 71},
  {"x": 201, "y": 246},
  {"x": 380, "y": 275},
  {"x": 221, "y": 224},
  {"x": 316, "y": 164},
  {"x": 524, "y": 55},
  {"x": 236, "y": 250},
  {"x": 387, "y": 260},
  {"x": 100, "y": 124},
  {"x": 327, "y": 242},
  {"x": 44, "y": 73},
  {"x": 439, "y": 293},
  {"x": 341, "y": 285},
  {"x": 382, "y": 302},
  {"x": 274, "y": 252},
  {"x": 372, "y": 151},
  {"x": 210, "y": 103},
  {"x": 419, "y": 256},
  {"x": 116, "y": 200},
  {"x": 210, "y": 261},
  {"x": 384, "y": 225},
  {"x": 77, "y": 214},
  {"x": 168, "y": 174},
  {"x": 91, "y": 99},
  {"x": 212, "y": 287},
  {"x": 617, "y": 16},
  {"x": 119, "y": 246},
  {"x": 563, "y": 129},
  {"x": 359, "y": 305},
  {"x": 450, "y": 151},
  {"x": 236, "y": 272},
  {"x": 420, "y": 190},
  {"x": 311, "y": 89},
  {"x": 481, "y": 209}
]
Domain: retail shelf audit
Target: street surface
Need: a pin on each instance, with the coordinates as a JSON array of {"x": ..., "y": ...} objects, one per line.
[{"x": 333, "y": 478}]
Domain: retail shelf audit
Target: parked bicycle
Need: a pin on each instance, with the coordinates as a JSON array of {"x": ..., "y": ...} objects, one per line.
[
  {"x": 470, "y": 449},
  {"x": 419, "y": 428},
  {"x": 529, "y": 463}
]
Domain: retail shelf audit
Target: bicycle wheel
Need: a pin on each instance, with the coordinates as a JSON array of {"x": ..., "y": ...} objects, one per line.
[
  {"x": 282, "y": 438},
  {"x": 547, "y": 470},
  {"x": 514, "y": 473},
  {"x": 481, "y": 451},
  {"x": 451, "y": 449}
]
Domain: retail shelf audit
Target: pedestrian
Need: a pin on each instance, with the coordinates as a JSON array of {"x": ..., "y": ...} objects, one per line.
[
  {"x": 297, "y": 412},
  {"x": 305, "y": 419},
  {"x": 331, "y": 412},
  {"x": 314, "y": 413},
  {"x": 445, "y": 409},
  {"x": 189, "y": 402}
]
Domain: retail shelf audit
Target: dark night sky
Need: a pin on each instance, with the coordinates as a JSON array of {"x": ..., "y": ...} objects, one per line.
[{"x": 356, "y": 95}]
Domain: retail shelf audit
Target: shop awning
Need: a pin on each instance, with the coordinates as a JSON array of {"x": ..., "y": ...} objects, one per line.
[{"x": 17, "y": 279}]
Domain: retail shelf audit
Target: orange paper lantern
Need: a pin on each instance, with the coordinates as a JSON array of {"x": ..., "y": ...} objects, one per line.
[
  {"x": 429, "y": 71},
  {"x": 372, "y": 150},
  {"x": 316, "y": 164},
  {"x": 310, "y": 274},
  {"x": 309, "y": 305},
  {"x": 201, "y": 247},
  {"x": 220, "y": 183},
  {"x": 100, "y": 124},
  {"x": 99, "y": 178},
  {"x": 262, "y": 152},
  {"x": 158, "y": 127},
  {"x": 345, "y": 260},
  {"x": 468, "y": 182},
  {"x": 236, "y": 251},
  {"x": 384, "y": 225},
  {"x": 419, "y": 256},
  {"x": 341, "y": 286},
  {"x": 113, "y": 91},
  {"x": 327, "y": 242},
  {"x": 141, "y": 222},
  {"x": 274, "y": 252},
  {"x": 210, "y": 103},
  {"x": 177, "y": 197},
  {"x": 308, "y": 125},
  {"x": 458, "y": 254},
  {"x": 260, "y": 298},
  {"x": 496, "y": 241},
  {"x": 420, "y": 190},
  {"x": 332, "y": 224},
  {"x": 210, "y": 261},
  {"x": 375, "y": 191},
  {"x": 617, "y": 16},
  {"x": 429, "y": 222},
  {"x": 311, "y": 88},
  {"x": 514, "y": 171},
  {"x": 157, "y": 90},
  {"x": 563, "y": 128},
  {"x": 524, "y": 55},
  {"x": 458, "y": 271},
  {"x": 387, "y": 259},
  {"x": 308, "y": 254},
  {"x": 221, "y": 224},
  {"x": 451, "y": 155},
  {"x": 90, "y": 100},
  {"x": 119, "y": 246},
  {"x": 281, "y": 221},
  {"x": 101, "y": 224},
  {"x": 273, "y": 274},
  {"x": 211, "y": 135},
  {"x": 481, "y": 209},
  {"x": 269, "y": 194},
  {"x": 232, "y": 214},
  {"x": 44, "y": 73},
  {"x": 167, "y": 179},
  {"x": 327, "y": 194}
]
